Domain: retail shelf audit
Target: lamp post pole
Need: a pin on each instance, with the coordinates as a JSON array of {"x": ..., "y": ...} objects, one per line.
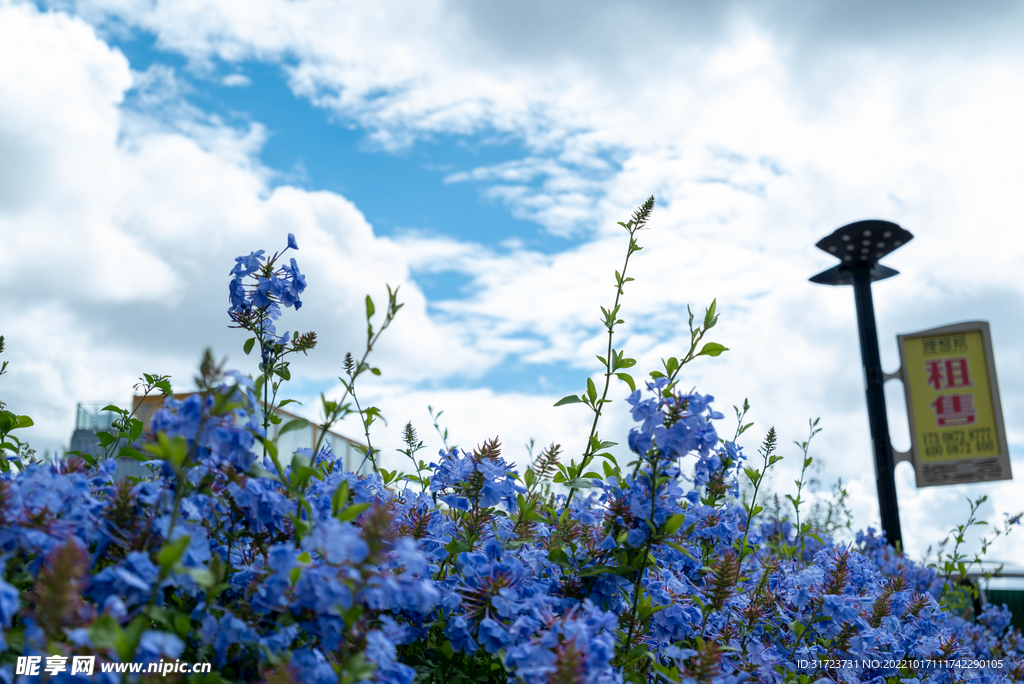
[
  {"x": 859, "y": 246},
  {"x": 878, "y": 421}
]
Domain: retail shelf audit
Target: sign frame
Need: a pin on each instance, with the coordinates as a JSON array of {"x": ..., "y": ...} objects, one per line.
[{"x": 961, "y": 465}]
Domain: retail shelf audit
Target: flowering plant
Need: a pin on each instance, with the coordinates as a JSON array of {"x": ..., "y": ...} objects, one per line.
[{"x": 284, "y": 567}]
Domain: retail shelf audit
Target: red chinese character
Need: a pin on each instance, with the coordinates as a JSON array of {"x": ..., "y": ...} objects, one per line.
[
  {"x": 947, "y": 373},
  {"x": 954, "y": 409}
]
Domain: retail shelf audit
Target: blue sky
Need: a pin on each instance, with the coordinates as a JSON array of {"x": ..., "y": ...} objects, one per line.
[
  {"x": 479, "y": 157},
  {"x": 313, "y": 149}
]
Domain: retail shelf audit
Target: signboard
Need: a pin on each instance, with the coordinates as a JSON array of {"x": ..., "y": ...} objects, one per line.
[{"x": 956, "y": 420}]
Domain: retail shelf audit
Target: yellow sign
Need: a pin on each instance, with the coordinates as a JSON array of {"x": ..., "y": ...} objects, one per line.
[{"x": 956, "y": 422}]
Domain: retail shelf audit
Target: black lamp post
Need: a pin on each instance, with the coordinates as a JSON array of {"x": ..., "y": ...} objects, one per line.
[{"x": 859, "y": 246}]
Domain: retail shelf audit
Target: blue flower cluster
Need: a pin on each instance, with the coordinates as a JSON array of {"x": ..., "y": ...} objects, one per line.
[
  {"x": 271, "y": 287},
  {"x": 291, "y": 569}
]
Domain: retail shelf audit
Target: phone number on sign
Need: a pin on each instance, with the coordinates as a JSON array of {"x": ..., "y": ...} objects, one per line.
[{"x": 906, "y": 663}]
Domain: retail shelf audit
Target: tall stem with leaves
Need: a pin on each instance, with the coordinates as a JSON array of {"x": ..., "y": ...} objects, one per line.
[
  {"x": 336, "y": 410},
  {"x": 126, "y": 426},
  {"x": 756, "y": 477},
  {"x": 9, "y": 422},
  {"x": 955, "y": 565},
  {"x": 673, "y": 365},
  {"x": 803, "y": 529},
  {"x": 258, "y": 290},
  {"x": 413, "y": 444},
  {"x": 614, "y": 361},
  {"x": 442, "y": 434}
]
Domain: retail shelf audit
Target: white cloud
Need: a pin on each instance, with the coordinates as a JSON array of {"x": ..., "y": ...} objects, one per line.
[
  {"x": 120, "y": 244},
  {"x": 236, "y": 81},
  {"x": 756, "y": 139}
]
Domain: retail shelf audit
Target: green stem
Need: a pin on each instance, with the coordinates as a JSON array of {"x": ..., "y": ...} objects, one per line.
[
  {"x": 638, "y": 584},
  {"x": 366, "y": 431},
  {"x": 359, "y": 368},
  {"x": 588, "y": 454}
]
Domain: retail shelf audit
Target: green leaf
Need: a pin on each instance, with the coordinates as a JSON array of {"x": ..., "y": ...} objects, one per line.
[
  {"x": 626, "y": 378},
  {"x": 560, "y": 557},
  {"x": 182, "y": 623},
  {"x": 173, "y": 451},
  {"x": 340, "y": 498},
  {"x": 24, "y": 421},
  {"x": 598, "y": 570},
  {"x": 292, "y": 425},
  {"x": 681, "y": 549},
  {"x": 571, "y": 399},
  {"x": 673, "y": 524},
  {"x": 171, "y": 553},
  {"x": 712, "y": 349},
  {"x": 670, "y": 674},
  {"x": 352, "y": 512},
  {"x": 106, "y": 439},
  {"x": 371, "y": 413},
  {"x": 131, "y": 452},
  {"x": 591, "y": 390},
  {"x": 111, "y": 408},
  {"x": 369, "y": 307},
  {"x": 256, "y": 471},
  {"x": 301, "y": 474},
  {"x": 105, "y": 633},
  {"x": 457, "y": 546},
  {"x": 709, "y": 318},
  {"x": 247, "y": 347},
  {"x": 579, "y": 483},
  {"x": 136, "y": 429},
  {"x": 126, "y": 649},
  {"x": 203, "y": 578}
]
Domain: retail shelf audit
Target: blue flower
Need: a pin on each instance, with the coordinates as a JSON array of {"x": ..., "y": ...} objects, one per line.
[
  {"x": 132, "y": 580},
  {"x": 338, "y": 542},
  {"x": 311, "y": 667},
  {"x": 9, "y": 602},
  {"x": 459, "y": 635},
  {"x": 155, "y": 645},
  {"x": 492, "y": 635},
  {"x": 247, "y": 265}
]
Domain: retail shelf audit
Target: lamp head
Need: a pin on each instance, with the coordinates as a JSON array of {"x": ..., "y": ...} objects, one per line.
[{"x": 859, "y": 246}]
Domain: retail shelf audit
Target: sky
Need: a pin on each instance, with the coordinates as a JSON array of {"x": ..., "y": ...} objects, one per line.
[{"x": 478, "y": 156}]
